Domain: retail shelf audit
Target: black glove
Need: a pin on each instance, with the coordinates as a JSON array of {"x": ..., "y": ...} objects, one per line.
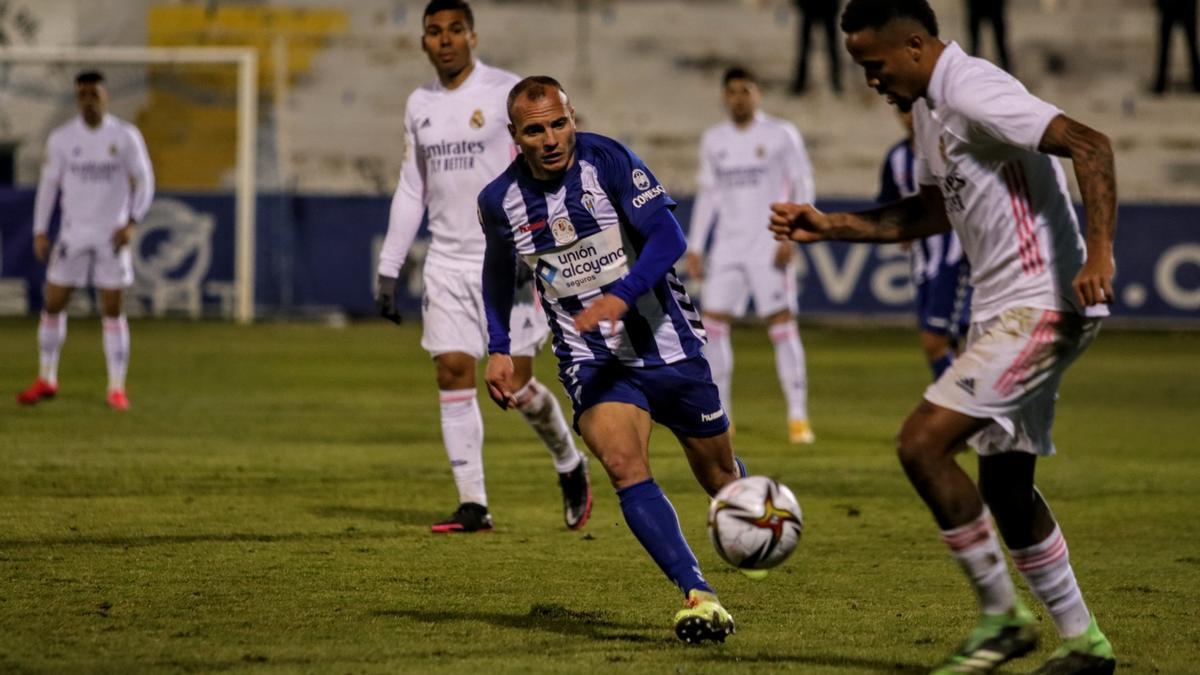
[{"x": 385, "y": 300}]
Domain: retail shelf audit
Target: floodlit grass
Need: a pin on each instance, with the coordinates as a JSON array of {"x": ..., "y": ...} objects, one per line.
[{"x": 264, "y": 507}]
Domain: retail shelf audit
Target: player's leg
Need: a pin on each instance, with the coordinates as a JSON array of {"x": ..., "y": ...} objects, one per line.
[
  {"x": 927, "y": 444},
  {"x": 452, "y": 334},
  {"x": 619, "y": 435},
  {"x": 775, "y": 299},
  {"x": 51, "y": 334},
  {"x": 116, "y": 346},
  {"x": 723, "y": 296},
  {"x": 538, "y": 405},
  {"x": 112, "y": 273}
]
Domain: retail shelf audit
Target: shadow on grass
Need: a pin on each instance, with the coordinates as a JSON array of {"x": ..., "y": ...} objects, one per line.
[
  {"x": 550, "y": 619},
  {"x": 856, "y": 664},
  {"x": 399, "y": 516},
  {"x": 166, "y": 539}
]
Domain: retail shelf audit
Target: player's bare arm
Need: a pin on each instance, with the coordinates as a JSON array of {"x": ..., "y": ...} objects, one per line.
[
  {"x": 41, "y": 247},
  {"x": 917, "y": 216},
  {"x": 1092, "y": 155}
]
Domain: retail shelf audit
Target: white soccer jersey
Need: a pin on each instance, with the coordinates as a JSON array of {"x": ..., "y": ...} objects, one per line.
[
  {"x": 976, "y": 132},
  {"x": 104, "y": 175},
  {"x": 456, "y": 141},
  {"x": 742, "y": 171}
]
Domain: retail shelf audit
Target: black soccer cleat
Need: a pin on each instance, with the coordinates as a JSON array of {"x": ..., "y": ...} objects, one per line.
[
  {"x": 1088, "y": 654},
  {"x": 577, "y": 495},
  {"x": 468, "y": 517}
]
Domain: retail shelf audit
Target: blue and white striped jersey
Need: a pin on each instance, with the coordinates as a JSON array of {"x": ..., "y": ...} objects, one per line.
[{"x": 580, "y": 235}]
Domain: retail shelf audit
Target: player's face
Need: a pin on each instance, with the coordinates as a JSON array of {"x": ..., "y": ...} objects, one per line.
[
  {"x": 448, "y": 40},
  {"x": 544, "y": 129},
  {"x": 890, "y": 58},
  {"x": 92, "y": 100},
  {"x": 741, "y": 99}
]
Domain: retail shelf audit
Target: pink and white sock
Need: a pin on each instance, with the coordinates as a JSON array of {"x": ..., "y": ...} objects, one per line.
[
  {"x": 462, "y": 434},
  {"x": 52, "y": 333},
  {"x": 116, "y": 350},
  {"x": 1046, "y": 567},
  {"x": 541, "y": 409},
  {"x": 977, "y": 549},
  {"x": 789, "y": 365},
  {"x": 719, "y": 354}
]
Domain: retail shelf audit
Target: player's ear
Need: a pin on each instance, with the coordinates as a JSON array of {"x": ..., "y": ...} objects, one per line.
[
  {"x": 473, "y": 39},
  {"x": 915, "y": 45},
  {"x": 512, "y": 131}
]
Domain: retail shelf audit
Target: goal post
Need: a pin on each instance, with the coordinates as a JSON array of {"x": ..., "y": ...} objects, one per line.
[{"x": 245, "y": 59}]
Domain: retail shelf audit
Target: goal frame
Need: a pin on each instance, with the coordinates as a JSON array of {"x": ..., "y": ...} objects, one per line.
[{"x": 245, "y": 190}]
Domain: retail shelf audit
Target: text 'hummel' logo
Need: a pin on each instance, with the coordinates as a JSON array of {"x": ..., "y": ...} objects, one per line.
[
  {"x": 967, "y": 384},
  {"x": 708, "y": 417}
]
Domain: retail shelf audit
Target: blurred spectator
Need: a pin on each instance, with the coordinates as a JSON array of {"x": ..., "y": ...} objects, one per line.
[
  {"x": 1171, "y": 12},
  {"x": 991, "y": 11},
  {"x": 826, "y": 13}
]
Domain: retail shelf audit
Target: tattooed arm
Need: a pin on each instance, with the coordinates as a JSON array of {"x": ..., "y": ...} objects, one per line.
[{"x": 1091, "y": 153}]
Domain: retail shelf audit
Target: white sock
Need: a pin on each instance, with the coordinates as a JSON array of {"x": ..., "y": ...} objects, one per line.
[
  {"x": 462, "y": 434},
  {"x": 789, "y": 365},
  {"x": 977, "y": 549},
  {"x": 52, "y": 333},
  {"x": 541, "y": 410},
  {"x": 1047, "y": 569},
  {"x": 719, "y": 354},
  {"x": 116, "y": 350}
]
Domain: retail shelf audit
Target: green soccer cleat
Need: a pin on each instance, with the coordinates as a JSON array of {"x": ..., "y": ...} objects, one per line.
[
  {"x": 1088, "y": 654},
  {"x": 997, "y": 639},
  {"x": 703, "y": 619}
]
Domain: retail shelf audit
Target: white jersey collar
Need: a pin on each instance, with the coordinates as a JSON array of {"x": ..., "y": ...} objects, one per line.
[
  {"x": 104, "y": 122},
  {"x": 475, "y": 76},
  {"x": 935, "y": 92}
]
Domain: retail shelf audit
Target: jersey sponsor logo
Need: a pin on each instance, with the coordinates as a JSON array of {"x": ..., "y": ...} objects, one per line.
[
  {"x": 532, "y": 227},
  {"x": 452, "y": 155},
  {"x": 640, "y": 180},
  {"x": 715, "y": 415},
  {"x": 640, "y": 200},
  {"x": 477, "y": 119},
  {"x": 563, "y": 231},
  {"x": 952, "y": 186},
  {"x": 94, "y": 172},
  {"x": 590, "y": 263}
]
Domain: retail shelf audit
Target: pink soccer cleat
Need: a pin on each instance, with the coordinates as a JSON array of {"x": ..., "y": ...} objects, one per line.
[
  {"x": 117, "y": 400},
  {"x": 39, "y": 390}
]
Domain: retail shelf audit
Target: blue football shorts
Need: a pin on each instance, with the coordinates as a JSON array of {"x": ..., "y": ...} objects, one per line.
[{"x": 680, "y": 396}]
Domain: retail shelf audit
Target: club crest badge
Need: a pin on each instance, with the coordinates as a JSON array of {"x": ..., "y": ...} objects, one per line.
[
  {"x": 640, "y": 181},
  {"x": 563, "y": 231},
  {"x": 477, "y": 119},
  {"x": 589, "y": 203},
  {"x": 760, "y": 152},
  {"x": 112, "y": 150}
]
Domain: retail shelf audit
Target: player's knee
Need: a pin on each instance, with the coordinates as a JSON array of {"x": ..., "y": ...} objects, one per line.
[
  {"x": 455, "y": 374},
  {"x": 916, "y": 447}
]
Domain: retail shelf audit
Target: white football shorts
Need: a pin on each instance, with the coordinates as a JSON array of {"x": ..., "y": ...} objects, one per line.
[
  {"x": 79, "y": 265},
  {"x": 453, "y": 319},
  {"x": 1010, "y": 372},
  {"x": 728, "y": 288}
]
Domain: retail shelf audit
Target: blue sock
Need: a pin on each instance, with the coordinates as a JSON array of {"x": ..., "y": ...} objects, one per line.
[
  {"x": 652, "y": 519},
  {"x": 742, "y": 470},
  {"x": 939, "y": 366}
]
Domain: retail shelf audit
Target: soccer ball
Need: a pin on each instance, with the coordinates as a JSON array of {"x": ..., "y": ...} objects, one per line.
[{"x": 754, "y": 523}]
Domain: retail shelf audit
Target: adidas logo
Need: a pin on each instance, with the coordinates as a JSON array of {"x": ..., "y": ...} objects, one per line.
[
  {"x": 967, "y": 384},
  {"x": 426, "y": 124},
  {"x": 528, "y": 324}
]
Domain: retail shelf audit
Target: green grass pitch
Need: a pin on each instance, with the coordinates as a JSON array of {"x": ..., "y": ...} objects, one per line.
[{"x": 264, "y": 507}]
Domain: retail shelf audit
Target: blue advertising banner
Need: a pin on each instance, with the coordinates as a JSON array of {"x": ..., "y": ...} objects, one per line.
[{"x": 318, "y": 252}]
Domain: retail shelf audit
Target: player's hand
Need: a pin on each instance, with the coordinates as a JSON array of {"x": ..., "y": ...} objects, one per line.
[
  {"x": 798, "y": 222},
  {"x": 41, "y": 248},
  {"x": 385, "y": 299},
  {"x": 122, "y": 237},
  {"x": 695, "y": 266},
  {"x": 608, "y": 308},
  {"x": 499, "y": 380},
  {"x": 783, "y": 254},
  {"x": 1093, "y": 283}
]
